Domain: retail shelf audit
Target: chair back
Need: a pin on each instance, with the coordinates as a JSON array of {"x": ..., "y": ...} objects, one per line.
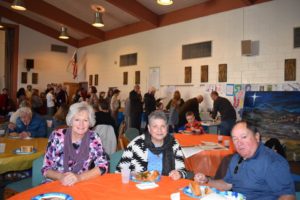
[
  {"x": 37, "y": 177},
  {"x": 114, "y": 160},
  {"x": 108, "y": 137},
  {"x": 131, "y": 133}
]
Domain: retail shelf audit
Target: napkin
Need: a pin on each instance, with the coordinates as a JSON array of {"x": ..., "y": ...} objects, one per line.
[{"x": 146, "y": 186}]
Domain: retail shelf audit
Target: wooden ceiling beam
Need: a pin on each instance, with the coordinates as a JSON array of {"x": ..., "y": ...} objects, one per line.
[
  {"x": 18, "y": 18},
  {"x": 201, "y": 10},
  {"x": 249, "y": 2},
  {"x": 137, "y": 10},
  {"x": 47, "y": 10}
]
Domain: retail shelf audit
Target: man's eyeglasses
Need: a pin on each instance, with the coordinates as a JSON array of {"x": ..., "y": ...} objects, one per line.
[{"x": 236, "y": 169}]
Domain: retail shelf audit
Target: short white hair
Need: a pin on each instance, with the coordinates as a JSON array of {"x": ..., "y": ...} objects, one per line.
[
  {"x": 24, "y": 111},
  {"x": 77, "y": 108}
]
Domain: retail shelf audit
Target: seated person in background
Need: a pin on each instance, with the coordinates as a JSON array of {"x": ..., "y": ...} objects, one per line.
[
  {"x": 29, "y": 124},
  {"x": 75, "y": 154},
  {"x": 255, "y": 171},
  {"x": 192, "y": 124},
  {"x": 14, "y": 116},
  {"x": 59, "y": 118},
  {"x": 103, "y": 116},
  {"x": 155, "y": 150}
]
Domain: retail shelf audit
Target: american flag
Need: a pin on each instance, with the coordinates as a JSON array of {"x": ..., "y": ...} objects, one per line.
[{"x": 74, "y": 65}]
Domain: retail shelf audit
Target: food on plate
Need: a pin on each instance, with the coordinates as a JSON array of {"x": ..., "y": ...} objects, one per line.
[
  {"x": 26, "y": 149},
  {"x": 195, "y": 188},
  {"x": 199, "y": 191},
  {"x": 147, "y": 176},
  {"x": 14, "y": 134}
]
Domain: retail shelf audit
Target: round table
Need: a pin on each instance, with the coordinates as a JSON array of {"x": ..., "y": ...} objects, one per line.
[
  {"x": 9, "y": 161},
  {"x": 109, "y": 187}
]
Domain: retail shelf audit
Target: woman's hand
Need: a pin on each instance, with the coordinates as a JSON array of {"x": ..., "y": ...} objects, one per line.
[
  {"x": 201, "y": 178},
  {"x": 175, "y": 175},
  {"x": 11, "y": 126},
  {"x": 24, "y": 134},
  {"x": 69, "y": 179}
]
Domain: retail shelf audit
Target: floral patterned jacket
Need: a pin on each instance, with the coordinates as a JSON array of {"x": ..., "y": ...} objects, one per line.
[{"x": 54, "y": 156}]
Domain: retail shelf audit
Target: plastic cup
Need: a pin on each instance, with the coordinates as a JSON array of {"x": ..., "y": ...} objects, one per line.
[
  {"x": 227, "y": 143},
  {"x": 49, "y": 123},
  {"x": 220, "y": 139},
  {"x": 2, "y": 147},
  {"x": 2, "y": 132},
  {"x": 125, "y": 175}
]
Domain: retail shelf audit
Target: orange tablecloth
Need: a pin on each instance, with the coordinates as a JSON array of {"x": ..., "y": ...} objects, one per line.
[
  {"x": 13, "y": 162},
  {"x": 208, "y": 161},
  {"x": 108, "y": 187}
]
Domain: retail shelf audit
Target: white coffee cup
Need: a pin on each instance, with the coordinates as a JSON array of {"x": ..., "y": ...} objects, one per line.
[
  {"x": 2, "y": 147},
  {"x": 227, "y": 143},
  {"x": 2, "y": 132},
  {"x": 49, "y": 123},
  {"x": 220, "y": 138},
  {"x": 125, "y": 172}
]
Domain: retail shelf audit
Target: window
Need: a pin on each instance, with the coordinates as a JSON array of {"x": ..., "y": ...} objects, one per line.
[
  {"x": 297, "y": 37},
  {"x": 128, "y": 59},
  {"x": 197, "y": 50}
]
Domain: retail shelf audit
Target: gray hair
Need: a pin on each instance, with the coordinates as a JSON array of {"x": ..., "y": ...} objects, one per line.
[
  {"x": 78, "y": 107},
  {"x": 157, "y": 115},
  {"x": 24, "y": 111}
]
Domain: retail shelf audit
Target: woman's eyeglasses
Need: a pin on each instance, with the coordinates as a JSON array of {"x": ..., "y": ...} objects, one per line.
[{"x": 236, "y": 169}]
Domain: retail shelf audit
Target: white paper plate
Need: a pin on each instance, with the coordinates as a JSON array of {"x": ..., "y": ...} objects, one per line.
[{"x": 53, "y": 195}]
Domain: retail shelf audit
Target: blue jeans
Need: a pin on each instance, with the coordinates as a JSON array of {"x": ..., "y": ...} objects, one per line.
[{"x": 226, "y": 126}]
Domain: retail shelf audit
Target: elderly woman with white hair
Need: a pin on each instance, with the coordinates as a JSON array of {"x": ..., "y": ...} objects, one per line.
[
  {"x": 75, "y": 154},
  {"x": 28, "y": 124}
]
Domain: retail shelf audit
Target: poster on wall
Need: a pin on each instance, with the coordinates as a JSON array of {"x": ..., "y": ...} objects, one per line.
[{"x": 24, "y": 77}]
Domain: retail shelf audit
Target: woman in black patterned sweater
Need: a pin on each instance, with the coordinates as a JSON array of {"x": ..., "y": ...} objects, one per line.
[{"x": 155, "y": 150}]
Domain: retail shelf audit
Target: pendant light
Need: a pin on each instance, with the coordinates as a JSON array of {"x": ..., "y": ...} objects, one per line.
[
  {"x": 18, "y": 5},
  {"x": 63, "y": 34}
]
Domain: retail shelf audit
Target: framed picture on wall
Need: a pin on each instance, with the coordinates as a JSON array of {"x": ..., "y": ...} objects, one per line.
[
  {"x": 34, "y": 78},
  {"x": 91, "y": 80},
  {"x": 24, "y": 77},
  {"x": 125, "y": 78},
  {"x": 204, "y": 73},
  {"x": 137, "y": 77},
  {"x": 290, "y": 70},
  {"x": 188, "y": 74},
  {"x": 223, "y": 73},
  {"x": 96, "y": 79}
]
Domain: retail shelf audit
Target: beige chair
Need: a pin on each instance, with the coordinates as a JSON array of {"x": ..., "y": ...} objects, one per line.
[{"x": 108, "y": 138}]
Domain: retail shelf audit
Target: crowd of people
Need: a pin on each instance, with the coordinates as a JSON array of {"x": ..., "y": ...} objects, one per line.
[{"x": 75, "y": 153}]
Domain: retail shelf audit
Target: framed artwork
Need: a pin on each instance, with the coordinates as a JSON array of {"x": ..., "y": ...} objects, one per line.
[
  {"x": 204, "y": 73},
  {"x": 34, "y": 78},
  {"x": 125, "y": 78},
  {"x": 290, "y": 70},
  {"x": 223, "y": 73},
  {"x": 24, "y": 77},
  {"x": 96, "y": 80},
  {"x": 137, "y": 77},
  {"x": 91, "y": 80},
  {"x": 188, "y": 74}
]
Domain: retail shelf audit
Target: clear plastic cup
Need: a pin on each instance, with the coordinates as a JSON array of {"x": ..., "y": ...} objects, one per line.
[
  {"x": 125, "y": 173},
  {"x": 49, "y": 123},
  {"x": 2, "y": 147}
]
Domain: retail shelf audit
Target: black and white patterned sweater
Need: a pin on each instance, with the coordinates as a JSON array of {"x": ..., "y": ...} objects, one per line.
[{"x": 135, "y": 157}]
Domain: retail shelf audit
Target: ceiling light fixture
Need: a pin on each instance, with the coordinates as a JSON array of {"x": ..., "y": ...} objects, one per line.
[
  {"x": 63, "y": 34},
  {"x": 98, "y": 15},
  {"x": 1, "y": 26},
  {"x": 165, "y": 2},
  {"x": 18, "y": 5}
]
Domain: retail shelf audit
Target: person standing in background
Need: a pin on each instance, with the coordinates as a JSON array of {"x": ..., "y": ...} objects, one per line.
[
  {"x": 150, "y": 102},
  {"x": 136, "y": 107},
  {"x": 4, "y": 102},
  {"x": 29, "y": 92},
  {"x": 50, "y": 102},
  {"x": 115, "y": 105},
  {"x": 228, "y": 114}
]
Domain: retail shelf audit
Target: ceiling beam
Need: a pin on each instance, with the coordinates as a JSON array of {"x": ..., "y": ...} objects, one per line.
[
  {"x": 47, "y": 10},
  {"x": 201, "y": 10},
  {"x": 136, "y": 9},
  {"x": 249, "y": 2},
  {"x": 16, "y": 17}
]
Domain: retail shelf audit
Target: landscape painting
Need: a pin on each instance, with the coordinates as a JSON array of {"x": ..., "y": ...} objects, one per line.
[{"x": 276, "y": 114}]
